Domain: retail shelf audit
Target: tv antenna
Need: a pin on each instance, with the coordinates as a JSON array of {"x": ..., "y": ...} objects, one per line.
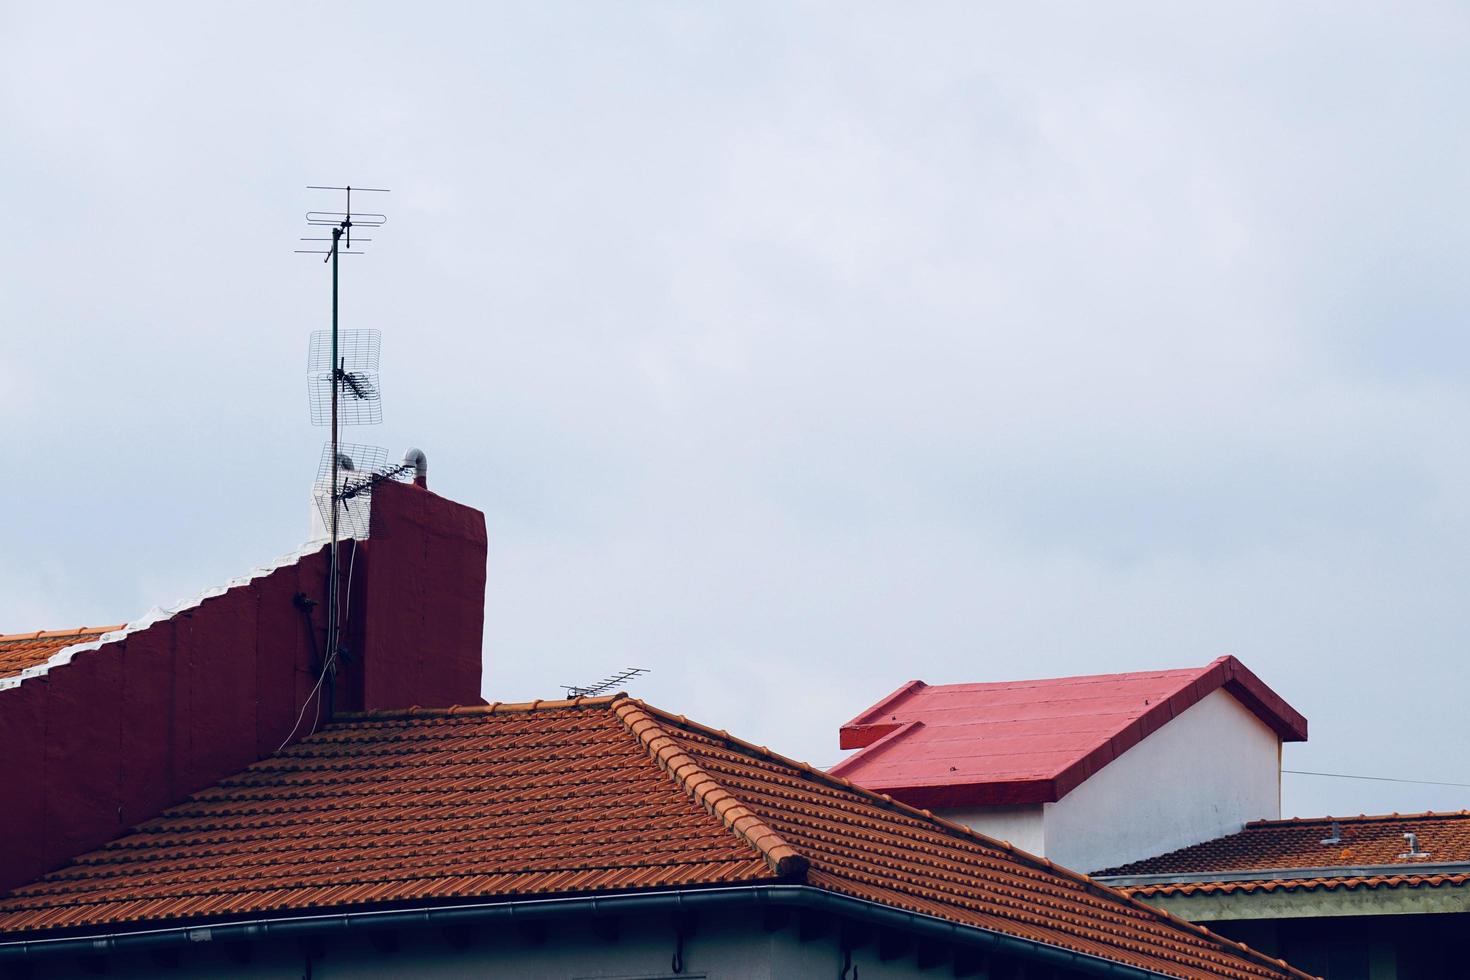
[
  {"x": 349, "y": 378},
  {"x": 359, "y": 470},
  {"x": 329, "y": 380},
  {"x": 609, "y": 683}
]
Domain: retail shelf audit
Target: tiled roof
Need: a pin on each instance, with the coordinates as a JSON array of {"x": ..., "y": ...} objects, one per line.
[
  {"x": 589, "y": 796},
  {"x": 1268, "y": 885},
  {"x": 21, "y": 651},
  {"x": 1031, "y": 741},
  {"x": 1325, "y": 853}
]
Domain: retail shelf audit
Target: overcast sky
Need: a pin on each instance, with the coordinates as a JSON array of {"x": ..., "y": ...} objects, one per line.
[{"x": 792, "y": 350}]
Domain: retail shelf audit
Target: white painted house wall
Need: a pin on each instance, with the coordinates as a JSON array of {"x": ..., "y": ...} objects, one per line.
[{"x": 1200, "y": 776}]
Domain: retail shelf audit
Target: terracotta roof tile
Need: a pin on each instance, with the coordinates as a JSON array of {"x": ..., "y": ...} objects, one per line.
[
  {"x": 1297, "y": 843},
  {"x": 1268, "y": 885},
  {"x": 1326, "y": 853},
  {"x": 597, "y": 795},
  {"x": 21, "y": 651}
]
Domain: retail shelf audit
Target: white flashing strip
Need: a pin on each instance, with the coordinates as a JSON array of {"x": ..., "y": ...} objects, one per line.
[{"x": 159, "y": 614}]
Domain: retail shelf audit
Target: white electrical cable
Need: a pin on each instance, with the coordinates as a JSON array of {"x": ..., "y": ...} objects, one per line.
[
  {"x": 347, "y": 605},
  {"x": 302, "y": 713}
]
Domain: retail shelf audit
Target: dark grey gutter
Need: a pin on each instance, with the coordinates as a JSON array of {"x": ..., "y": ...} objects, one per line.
[
  {"x": 797, "y": 896},
  {"x": 1269, "y": 874}
]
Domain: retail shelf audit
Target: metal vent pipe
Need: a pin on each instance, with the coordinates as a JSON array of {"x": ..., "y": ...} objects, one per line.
[{"x": 420, "y": 467}]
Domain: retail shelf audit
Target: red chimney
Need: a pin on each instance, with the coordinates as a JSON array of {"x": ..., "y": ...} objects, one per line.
[{"x": 98, "y": 744}]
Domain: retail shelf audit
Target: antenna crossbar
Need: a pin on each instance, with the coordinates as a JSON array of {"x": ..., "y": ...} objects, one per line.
[
  {"x": 610, "y": 683},
  {"x": 364, "y": 484},
  {"x": 350, "y": 217}
]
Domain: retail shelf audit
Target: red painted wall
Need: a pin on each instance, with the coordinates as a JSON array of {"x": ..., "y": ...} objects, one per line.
[
  {"x": 424, "y": 601},
  {"x": 107, "y": 741}
]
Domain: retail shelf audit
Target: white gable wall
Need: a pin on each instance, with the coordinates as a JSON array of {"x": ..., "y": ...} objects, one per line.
[{"x": 1200, "y": 776}]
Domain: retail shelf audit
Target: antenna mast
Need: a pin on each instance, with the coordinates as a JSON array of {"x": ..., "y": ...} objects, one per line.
[{"x": 359, "y": 384}]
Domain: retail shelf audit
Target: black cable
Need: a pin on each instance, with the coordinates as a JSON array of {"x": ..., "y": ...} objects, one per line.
[{"x": 1376, "y": 779}]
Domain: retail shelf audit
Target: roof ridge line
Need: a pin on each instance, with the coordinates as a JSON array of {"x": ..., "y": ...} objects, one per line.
[
  {"x": 1355, "y": 818},
  {"x": 961, "y": 830},
  {"x": 692, "y": 778},
  {"x": 1323, "y": 872},
  {"x": 887, "y": 702},
  {"x": 1112, "y": 675},
  {"x": 1292, "y": 885},
  {"x": 52, "y": 634},
  {"x": 496, "y": 707}
]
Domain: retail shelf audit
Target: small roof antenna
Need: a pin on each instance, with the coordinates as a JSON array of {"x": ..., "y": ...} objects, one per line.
[
  {"x": 609, "y": 683},
  {"x": 359, "y": 470},
  {"x": 330, "y": 380},
  {"x": 342, "y": 222},
  {"x": 353, "y": 380}
]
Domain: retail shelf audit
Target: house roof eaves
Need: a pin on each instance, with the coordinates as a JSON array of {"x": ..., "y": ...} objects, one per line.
[{"x": 677, "y": 899}]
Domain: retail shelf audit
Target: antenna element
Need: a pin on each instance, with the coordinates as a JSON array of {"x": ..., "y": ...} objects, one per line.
[{"x": 610, "y": 683}]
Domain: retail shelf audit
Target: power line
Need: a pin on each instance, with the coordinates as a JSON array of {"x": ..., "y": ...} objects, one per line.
[
  {"x": 1330, "y": 775},
  {"x": 1376, "y": 779}
]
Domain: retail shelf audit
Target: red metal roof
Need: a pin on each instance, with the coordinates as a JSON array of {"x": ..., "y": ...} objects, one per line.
[
  {"x": 1031, "y": 741},
  {"x": 20, "y": 651},
  {"x": 1295, "y": 855},
  {"x": 590, "y": 796}
]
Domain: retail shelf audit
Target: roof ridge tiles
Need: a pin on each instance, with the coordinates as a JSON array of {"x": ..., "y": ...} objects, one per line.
[
  {"x": 47, "y": 634},
  {"x": 692, "y": 778},
  {"x": 497, "y": 707},
  {"x": 1359, "y": 818},
  {"x": 961, "y": 830},
  {"x": 883, "y": 799},
  {"x": 1370, "y": 882}
]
